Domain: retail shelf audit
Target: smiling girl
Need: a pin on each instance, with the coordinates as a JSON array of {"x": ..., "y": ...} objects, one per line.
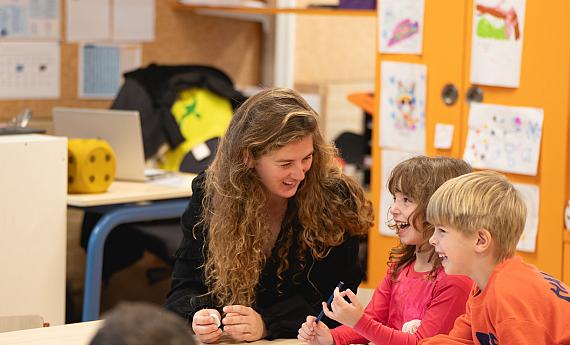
[
  {"x": 271, "y": 228},
  {"x": 416, "y": 299}
]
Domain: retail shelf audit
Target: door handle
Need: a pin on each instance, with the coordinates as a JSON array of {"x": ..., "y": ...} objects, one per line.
[
  {"x": 449, "y": 94},
  {"x": 474, "y": 94}
]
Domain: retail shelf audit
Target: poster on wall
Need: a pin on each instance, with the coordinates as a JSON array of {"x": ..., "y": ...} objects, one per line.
[
  {"x": 504, "y": 138},
  {"x": 402, "y": 106},
  {"x": 29, "y": 70},
  {"x": 390, "y": 158},
  {"x": 400, "y": 26},
  {"x": 30, "y": 19},
  {"x": 531, "y": 196},
  {"x": 497, "y": 40},
  {"x": 101, "y": 68}
]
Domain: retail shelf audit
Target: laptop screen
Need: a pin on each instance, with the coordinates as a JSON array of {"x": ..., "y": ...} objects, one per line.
[{"x": 120, "y": 128}]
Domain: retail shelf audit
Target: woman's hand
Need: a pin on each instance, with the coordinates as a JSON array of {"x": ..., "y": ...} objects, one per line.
[
  {"x": 204, "y": 326},
  {"x": 342, "y": 311},
  {"x": 243, "y": 323},
  {"x": 314, "y": 333}
]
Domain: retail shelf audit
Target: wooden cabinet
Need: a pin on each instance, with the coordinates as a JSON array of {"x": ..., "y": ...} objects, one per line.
[{"x": 544, "y": 83}]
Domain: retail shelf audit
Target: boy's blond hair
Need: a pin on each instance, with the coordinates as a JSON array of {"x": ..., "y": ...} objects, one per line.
[{"x": 481, "y": 200}]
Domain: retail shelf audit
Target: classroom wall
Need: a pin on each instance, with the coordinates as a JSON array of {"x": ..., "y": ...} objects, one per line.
[
  {"x": 180, "y": 38},
  {"x": 334, "y": 48}
]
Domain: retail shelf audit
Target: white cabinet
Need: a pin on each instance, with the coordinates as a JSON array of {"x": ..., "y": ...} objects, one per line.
[{"x": 33, "y": 192}]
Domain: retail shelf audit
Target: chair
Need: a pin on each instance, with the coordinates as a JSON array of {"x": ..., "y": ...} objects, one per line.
[{"x": 20, "y": 322}]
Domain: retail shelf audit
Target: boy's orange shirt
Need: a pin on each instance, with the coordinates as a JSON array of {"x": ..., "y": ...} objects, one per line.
[{"x": 520, "y": 305}]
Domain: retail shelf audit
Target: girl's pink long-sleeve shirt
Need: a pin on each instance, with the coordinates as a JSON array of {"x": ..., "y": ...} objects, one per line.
[{"x": 436, "y": 302}]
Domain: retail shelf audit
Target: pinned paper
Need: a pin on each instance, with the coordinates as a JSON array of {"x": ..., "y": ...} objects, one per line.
[
  {"x": 30, "y": 19},
  {"x": 496, "y": 49},
  {"x": 402, "y": 106},
  {"x": 443, "y": 136},
  {"x": 88, "y": 20},
  {"x": 29, "y": 70},
  {"x": 401, "y": 26},
  {"x": 101, "y": 68},
  {"x": 531, "y": 197},
  {"x": 504, "y": 138}
]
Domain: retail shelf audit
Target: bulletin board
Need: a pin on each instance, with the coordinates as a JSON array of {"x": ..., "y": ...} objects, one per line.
[{"x": 233, "y": 46}]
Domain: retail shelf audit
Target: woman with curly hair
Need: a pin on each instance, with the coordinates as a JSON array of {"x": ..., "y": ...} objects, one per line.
[{"x": 273, "y": 225}]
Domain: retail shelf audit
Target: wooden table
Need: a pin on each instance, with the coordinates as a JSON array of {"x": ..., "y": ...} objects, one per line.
[{"x": 125, "y": 202}]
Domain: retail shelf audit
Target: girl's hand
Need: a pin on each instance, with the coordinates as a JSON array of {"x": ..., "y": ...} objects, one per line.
[
  {"x": 205, "y": 327},
  {"x": 342, "y": 311},
  {"x": 314, "y": 333},
  {"x": 243, "y": 323}
]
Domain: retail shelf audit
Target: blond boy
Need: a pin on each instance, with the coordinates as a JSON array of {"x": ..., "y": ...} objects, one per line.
[{"x": 479, "y": 218}]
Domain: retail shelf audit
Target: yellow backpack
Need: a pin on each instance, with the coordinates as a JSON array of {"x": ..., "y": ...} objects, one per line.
[{"x": 203, "y": 118}]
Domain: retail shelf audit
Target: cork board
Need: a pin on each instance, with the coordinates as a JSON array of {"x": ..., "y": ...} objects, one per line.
[{"x": 180, "y": 38}]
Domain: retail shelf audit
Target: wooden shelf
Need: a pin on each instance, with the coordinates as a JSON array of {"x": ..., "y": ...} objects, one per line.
[{"x": 273, "y": 10}]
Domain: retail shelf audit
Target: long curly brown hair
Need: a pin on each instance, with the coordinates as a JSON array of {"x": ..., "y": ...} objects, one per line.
[
  {"x": 418, "y": 178},
  {"x": 234, "y": 202}
]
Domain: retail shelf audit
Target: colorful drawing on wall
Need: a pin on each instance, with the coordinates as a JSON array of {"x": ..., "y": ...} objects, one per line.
[
  {"x": 402, "y": 106},
  {"x": 390, "y": 159},
  {"x": 531, "y": 196},
  {"x": 504, "y": 138},
  {"x": 401, "y": 26},
  {"x": 496, "y": 49}
]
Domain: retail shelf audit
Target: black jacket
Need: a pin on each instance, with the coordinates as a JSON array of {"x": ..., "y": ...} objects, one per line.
[
  {"x": 152, "y": 90},
  {"x": 284, "y": 309}
]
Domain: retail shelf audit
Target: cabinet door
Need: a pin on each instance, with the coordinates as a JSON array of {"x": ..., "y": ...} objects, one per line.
[
  {"x": 544, "y": 83},
  {"x": 443, "y": 54}
]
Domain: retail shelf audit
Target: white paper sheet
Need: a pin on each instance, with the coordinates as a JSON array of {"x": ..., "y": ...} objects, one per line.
[
  {"x": 133, "y": 20},
  {"x": 401, "y": 25},
  {"x": 443, "y": 136},
  {"x": 88, "y": 20},
  {"x": 531, "y": 196},
  {"x": 36, "y": 19},
  {"x": 29, "y": 70},
  {"x": 101, "y": 67},
  {"x": 402, "y": 106},
  {"x": 504, "y": 138},
  {"x": 496, "y": 48},
  {"x": 390, "y": 159}
]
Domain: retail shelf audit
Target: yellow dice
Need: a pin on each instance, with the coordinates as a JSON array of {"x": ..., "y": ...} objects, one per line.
[{"x": 91, "y": 166}]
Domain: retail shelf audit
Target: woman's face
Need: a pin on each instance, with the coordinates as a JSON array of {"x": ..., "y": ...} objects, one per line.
[{"x": 281, "y": 171}]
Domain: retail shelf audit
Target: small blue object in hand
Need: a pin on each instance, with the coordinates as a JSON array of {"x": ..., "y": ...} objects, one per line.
[{"x": 340, "y": 285}]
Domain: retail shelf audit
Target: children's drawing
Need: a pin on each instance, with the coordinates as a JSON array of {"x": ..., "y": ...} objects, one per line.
[
  {"x": 497, "y": 42},
  {"x": 401, "y": 26},
  {"x": 402, "y": 106},
  {"x": 390, "y": 159},
  {"x": 504, "y": 138},
  {"x": 530, "y": 195},
  {"x": 497, "y": 23}
]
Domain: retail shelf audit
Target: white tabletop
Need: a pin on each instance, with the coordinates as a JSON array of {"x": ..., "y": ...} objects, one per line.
[
  {"x": 169, "y": 187},
  {"x": 81, "y": 334},
  {"x": 72, "y": 334}
]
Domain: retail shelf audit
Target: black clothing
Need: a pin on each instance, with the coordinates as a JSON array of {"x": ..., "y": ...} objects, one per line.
[
  {"x": 282, "y": 308},
  {"x": 153, "y": 89}
]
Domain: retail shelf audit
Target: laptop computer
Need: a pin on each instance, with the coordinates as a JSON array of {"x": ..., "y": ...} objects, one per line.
[{"x": 120, "y": 128}]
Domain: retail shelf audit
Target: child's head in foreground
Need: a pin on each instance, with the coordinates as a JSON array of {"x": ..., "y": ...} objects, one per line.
[
  {"x": 142, "y": 324},
  {"x": 479, "y": 217}
]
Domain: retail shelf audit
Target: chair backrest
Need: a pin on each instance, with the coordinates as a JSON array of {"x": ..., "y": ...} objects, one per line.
[{"x": 19, "y": 322}]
